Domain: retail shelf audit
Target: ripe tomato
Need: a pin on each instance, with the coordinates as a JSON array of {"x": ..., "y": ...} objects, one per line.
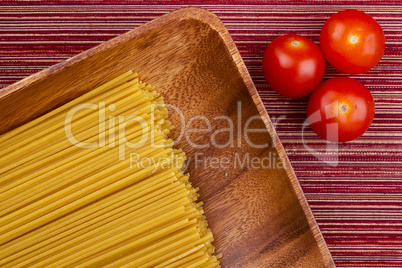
[
  {"x": 352, "y": 41},
  {"x": 293, "y": 65},
  {"x": 340, "y": 109}
]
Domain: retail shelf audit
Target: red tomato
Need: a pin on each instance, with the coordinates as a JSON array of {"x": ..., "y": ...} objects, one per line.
[
  {"x": 340, "y": 109},
  {"x": 352, "y": 41},
  {"x": 293, "y": 65}
]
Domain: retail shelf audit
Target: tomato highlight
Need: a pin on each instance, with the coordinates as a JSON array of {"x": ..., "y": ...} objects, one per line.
[{"x": 341, "y": 109}]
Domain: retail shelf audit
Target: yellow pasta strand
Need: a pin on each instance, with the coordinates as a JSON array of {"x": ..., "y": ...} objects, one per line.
[
  {"x": 145, "y": 192},
  {"x": 99, "y": 194},
  {"x": 26, "y": 127},
  {"x": 104, "y": 221},
  {"x": 111, "y": 253},
  {"x": 85, "y": 115},
  {"x": 34, "y": 188},
  {"x": 131, "y": 133},
  {"x": 181, "y": 260},
  {"x": 182, "y": 256},
  {"x": 147, "y": 225},
  {"x": 137, "y": 257},
  {"x": 12, "y": 160}
]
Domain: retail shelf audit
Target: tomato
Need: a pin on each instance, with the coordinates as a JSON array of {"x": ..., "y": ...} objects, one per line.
[
  {"x": 352, "y": 41},
  {"x": 293, "y": 65},
  {"x": 340, "y": 109}
]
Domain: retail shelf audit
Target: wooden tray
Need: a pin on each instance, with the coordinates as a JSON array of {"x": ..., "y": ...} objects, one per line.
[{"x": 259, "y": 216}]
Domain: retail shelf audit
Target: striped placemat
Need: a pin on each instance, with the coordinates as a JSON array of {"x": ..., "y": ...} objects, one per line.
[{"x": 354, "y": 189}]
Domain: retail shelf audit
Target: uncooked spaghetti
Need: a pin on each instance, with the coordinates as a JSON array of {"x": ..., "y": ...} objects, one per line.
[{"x": 97, "y": 183}]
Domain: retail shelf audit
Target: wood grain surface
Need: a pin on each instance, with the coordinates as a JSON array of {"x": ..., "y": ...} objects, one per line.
[{"x": 259, "y": 216}]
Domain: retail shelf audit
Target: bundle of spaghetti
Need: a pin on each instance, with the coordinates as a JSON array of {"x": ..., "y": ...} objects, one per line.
[{"x": 97, "y": 183}]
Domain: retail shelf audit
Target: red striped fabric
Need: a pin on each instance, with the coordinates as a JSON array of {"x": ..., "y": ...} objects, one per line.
[{"x": 357, "y": 201}]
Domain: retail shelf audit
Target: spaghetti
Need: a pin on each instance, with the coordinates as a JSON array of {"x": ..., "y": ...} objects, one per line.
[{"x": 97, "y": 183}]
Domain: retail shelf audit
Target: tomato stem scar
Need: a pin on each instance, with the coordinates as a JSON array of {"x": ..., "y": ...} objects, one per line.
[
  {"x": 354, "y": 39},
  {"x": 295, "y": 43},
  {"x": 344, "y": 108}
]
